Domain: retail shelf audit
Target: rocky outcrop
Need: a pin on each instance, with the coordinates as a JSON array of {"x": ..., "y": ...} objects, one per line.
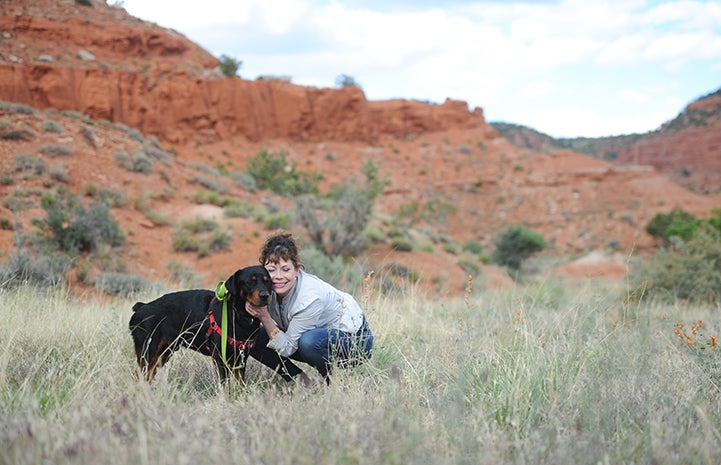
[{"x": 177, "y": 107}]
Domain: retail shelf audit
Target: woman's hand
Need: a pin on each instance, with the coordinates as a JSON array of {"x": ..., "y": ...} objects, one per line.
[
  {"x": 260, "y": 313},
  {"x": 263, "y": 315}
]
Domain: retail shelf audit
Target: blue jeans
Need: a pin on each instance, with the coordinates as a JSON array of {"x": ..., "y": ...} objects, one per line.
[{"x": 321, "y": 348}]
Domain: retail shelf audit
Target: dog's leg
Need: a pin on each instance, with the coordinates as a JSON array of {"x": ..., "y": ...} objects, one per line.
[
  {"x": 223, "y": 370},
  {"x": 239, "y": 372},
  {"x": 159, "y": 356}
]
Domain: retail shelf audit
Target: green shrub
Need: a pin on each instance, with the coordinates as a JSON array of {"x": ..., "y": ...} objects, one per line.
[
  {"x": 245, "y": 180},
  {"x": 71, "y": 227},
  {"x": 154, "y": 150},
  {"x": 240, "y": 209},
  {"x": 344, "y": 80},
  {"x": 688, "y": 271},
  {"x": 111, "y": 198},
  {"x": 55, "y": 150},
  {"x": 345, "y": 275},
  {"x": 156, "y": 217},
  {"x": 138, "y": 161},
  {"x": 51, "y": 126},
  {"x": 681, "y": 229},
  {"x": 229, "y": 66},
  {"x": 6, "y": 224},
  {"x": 184, "y": 241},
  {"x": 122, "y": 284},
  {"x": 22, "y": 267},
  {"x": 402, "y": 244},
  {"x": 17, "y": 134},
  {"x": 277, "y": 220},
  {"x": 273, "y": 172},
  {"x": 184, "y": 275},
  {"x": 142, "y": 162},
  {"x": 473, "y": 247},
  {"x": 211, "y": 184},
  {"x": 17, "y": 108},
  {"x": 199, "y": 224},
  {"x": 515, "y": 245},
  {"x": 220, "y": 240},
  {"x": 336, "y": 224},
  {"x": 59, "y": 173},
  {"x": 88, "y": 136},
  {"x": 402, "y": 271},
  {"x": 29, "y": 166},
  {"x": 681, "y": 220},
  {"x": 200, "y": 235}
]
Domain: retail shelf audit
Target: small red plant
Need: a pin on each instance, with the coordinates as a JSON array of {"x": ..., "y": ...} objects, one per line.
[{"x": 693, "y": 336}]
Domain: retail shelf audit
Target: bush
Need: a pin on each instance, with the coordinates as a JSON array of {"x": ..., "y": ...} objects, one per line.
[
  {"x": 55, "y": 150},
  {"x": 220, "y": 240},
  {"x": 273, "y": 172},
  {"x": 473, "y": 247},
  {"x": 336, "y": 224},
  {"x": 229, "y": 66},
  {"x": 515, "y": 245},
  {"x": 401, "y": 244},
  {"x": 335, "y": 270},
  {"x": 277, "y": 220},
  {"x": 72, "y": 228},
  {"x": 200, "y": 235},
  {"x": 184, "y": 241},
  {"x": 121, "y": 283},
  {"x": 185, "y": 276},
  {"x": 689, "y": 271},
  {"x": 678, "y": 221},
  {"x": 345, "y": 80},
  {"x": 43, "y": 271},
  {"x": 29, "y": 166},
  {"x": 51, "y": 126},
  {"x": 240, "y": 209},
  {"x": 138, "y": 162},
  {"x": 210, "y": 184}
]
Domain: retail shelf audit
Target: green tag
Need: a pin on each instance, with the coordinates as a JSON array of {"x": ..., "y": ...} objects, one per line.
[{"x": 221, "y": 292}]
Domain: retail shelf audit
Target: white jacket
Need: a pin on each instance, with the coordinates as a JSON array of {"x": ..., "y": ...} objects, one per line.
[{"x": 311, "y": 304}]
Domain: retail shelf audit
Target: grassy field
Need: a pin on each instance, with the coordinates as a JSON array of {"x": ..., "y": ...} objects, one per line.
[{"x": 548, "y": 374}]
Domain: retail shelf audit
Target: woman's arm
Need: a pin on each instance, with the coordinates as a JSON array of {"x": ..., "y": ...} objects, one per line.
[{"x": 286, "y": 342}]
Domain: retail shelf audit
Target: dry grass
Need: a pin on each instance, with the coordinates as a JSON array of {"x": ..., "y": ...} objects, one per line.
[{"x": 543, "y": 375}]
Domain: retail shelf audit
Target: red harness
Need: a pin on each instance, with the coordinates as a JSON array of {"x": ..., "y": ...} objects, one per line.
[{"x": 215, "y": 328}]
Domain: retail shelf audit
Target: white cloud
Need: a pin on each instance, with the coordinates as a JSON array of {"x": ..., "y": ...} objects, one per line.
[
  {"x": 537, "y": 89},
  {"x": 633, "y": 96}
]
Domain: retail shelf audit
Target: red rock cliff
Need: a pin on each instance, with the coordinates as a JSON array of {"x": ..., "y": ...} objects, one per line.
[{"x": 157, "y": 81}]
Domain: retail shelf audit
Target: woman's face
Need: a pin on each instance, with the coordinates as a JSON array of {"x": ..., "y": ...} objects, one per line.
[{"x": 284, "y": 275}]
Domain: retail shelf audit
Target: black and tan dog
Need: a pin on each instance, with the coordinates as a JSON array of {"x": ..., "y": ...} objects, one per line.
[{"x": 193, "y": 319}]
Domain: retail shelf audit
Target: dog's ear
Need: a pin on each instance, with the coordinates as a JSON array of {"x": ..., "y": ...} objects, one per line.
[{"x": 234, "y": 284}]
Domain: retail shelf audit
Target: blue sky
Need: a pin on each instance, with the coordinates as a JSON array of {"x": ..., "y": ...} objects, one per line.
[{"x": 568, "y": 68}]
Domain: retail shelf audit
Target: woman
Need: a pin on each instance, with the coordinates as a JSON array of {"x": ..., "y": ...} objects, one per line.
[{"x": 307, "y": 319}]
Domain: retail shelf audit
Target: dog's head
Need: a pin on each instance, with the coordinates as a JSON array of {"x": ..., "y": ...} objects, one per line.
[{"x": 251, "y": 284}]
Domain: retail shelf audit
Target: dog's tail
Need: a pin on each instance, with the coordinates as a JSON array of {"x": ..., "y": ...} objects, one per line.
[{"x": 137, "y": 306}]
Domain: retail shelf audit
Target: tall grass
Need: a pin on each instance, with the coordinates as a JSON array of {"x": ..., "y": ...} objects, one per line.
[{"x": 547, "y": 374}]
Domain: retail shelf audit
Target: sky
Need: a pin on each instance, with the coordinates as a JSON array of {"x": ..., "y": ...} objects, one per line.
[{"x": 567, "y": 68}]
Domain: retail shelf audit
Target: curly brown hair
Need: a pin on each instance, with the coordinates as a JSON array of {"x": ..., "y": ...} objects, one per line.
[{"x": 280, "y": 246}]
